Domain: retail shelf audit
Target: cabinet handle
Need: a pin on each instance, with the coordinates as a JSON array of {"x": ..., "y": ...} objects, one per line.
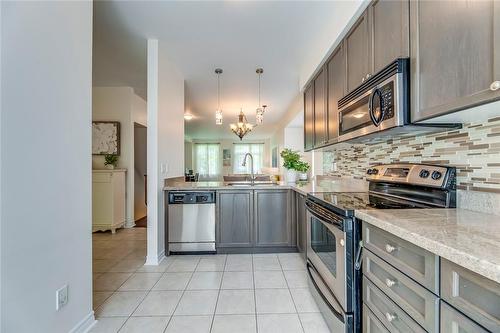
[
  {"x": 495, "y": 85},
  {"x": 390, "y": 283},
  {"x": 390, "y": 317},
  {"x": 368, "y": 76},
  {"x": 362, "y": 80},
  {"x": 342, "y": 242},
  {"x": 389, "y": 248}
]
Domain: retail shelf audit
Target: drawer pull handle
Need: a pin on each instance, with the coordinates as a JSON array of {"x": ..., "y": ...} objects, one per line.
[
  {"x": 389, "y": 248},
  {"x": 390, "y": 317},
  {"x": 495, "y": 85},
  {"x": 390, "y": 283}
]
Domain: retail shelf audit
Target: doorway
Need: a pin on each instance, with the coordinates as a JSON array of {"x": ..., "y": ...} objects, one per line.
[{"x": 140, "y": 175}]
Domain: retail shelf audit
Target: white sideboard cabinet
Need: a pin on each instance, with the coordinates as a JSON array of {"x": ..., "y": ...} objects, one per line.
[{"x": 108, "y": 199}]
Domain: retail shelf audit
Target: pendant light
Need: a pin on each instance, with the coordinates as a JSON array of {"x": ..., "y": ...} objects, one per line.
[
  {"x": 242, "y": 127},
  {"x": 218, "y": 112},
  {"x": 259, "y": 112}
]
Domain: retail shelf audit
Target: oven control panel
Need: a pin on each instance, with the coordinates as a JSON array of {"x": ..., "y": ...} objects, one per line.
[{"x": 416, "y": 174}]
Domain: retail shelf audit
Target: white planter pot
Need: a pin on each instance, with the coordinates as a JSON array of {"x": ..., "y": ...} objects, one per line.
[
  {"x": 303, "y": 176},
  {"x": 291, "y": 176},
  {"x": 109, "y": 166}
]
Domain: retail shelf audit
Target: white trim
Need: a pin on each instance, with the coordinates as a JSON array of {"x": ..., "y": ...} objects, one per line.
[
  {"x": 85, "y": 325},
  {"x": 155, "y": 260},
  {"x": 152, "y": 152},
  {"x": 129, "y": 223}
]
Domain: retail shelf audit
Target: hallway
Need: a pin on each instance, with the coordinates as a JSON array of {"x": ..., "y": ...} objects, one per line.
[{"x": 214, "y": 293}]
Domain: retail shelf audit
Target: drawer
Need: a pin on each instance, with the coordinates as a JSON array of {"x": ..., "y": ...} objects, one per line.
[
  {"x": 391, "y": 315},
  {"x": 371, "y": 324},
  {"x": 415, "y": 300},
  {"x": 474, "y": 295},
  {"x": 453, "y": 321},
  {"x": 419, "y": 264}
]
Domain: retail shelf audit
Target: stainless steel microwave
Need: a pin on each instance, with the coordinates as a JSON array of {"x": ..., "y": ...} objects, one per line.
[{"x": 380, "y": 107}]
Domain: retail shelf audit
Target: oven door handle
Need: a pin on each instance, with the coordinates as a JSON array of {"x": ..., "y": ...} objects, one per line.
[
  {"x": 324, "y": 216},
  {"x": 338, "y": 313}
]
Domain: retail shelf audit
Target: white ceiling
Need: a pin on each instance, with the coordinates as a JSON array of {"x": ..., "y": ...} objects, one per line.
[{"x": 287, "y": 39}]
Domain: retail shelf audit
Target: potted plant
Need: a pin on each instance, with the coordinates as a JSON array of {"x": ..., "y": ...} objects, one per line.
[
  {"x": 302, "y": 168},
  {"x": 110, "y": 161},
  {"x": 291, "y": 160}
]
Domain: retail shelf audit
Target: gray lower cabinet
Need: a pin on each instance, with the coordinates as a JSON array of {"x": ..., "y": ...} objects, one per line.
[
  {"x": 235, "y": 218},
  {"x": 371, "y": 324},
  {"x": 273, "y": 225},
  {"x": 452, "y": 321},
  {"x": 300, "y": 208},
  {"x": 474, "y": 295},
  {"x": 443, "y": 82}
]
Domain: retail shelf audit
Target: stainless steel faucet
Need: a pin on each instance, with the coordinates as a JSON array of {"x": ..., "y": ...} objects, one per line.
[{"x": 252, "y": 180}]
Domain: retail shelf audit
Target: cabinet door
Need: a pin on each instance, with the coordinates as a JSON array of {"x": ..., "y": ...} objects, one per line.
[
  {"x": 357, "y": 49},
  {"x": 300, "y": 205},
  {"x": 455, "y": 51},
  {"x": 335, "y": 90},
  {"x": 454, "y": 321},
  {"x": 309, "y": 118},
  {"x": 234, "y": 218},
  {"x": 389, "y": 27},
  {"x": 319, "y": 109},
  {"x": 272, "y": 218}
]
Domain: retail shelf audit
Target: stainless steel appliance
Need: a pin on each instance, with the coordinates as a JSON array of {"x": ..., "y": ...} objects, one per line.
[
  {"x": 191, "y": 222},
  {"x": 381, "y": 104},
  {"x": 333, "y": 233}
]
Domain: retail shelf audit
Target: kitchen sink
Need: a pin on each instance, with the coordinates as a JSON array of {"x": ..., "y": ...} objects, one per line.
[{"x": 249, "y": 183}]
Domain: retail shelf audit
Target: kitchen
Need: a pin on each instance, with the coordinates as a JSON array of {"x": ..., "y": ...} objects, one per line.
[{"x": 401, "y": 123}]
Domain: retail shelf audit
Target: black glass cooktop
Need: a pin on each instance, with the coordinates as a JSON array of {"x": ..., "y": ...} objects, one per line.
[{"x": 347, "y": 203}]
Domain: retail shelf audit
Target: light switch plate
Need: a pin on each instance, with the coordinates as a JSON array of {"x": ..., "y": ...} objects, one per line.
[{"x": 61, "y": 297}]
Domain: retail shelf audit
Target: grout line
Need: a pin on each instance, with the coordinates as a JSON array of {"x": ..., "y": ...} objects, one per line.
[
  {"x": 291, "y": 296},
  {"x": 218, "y": 294}
]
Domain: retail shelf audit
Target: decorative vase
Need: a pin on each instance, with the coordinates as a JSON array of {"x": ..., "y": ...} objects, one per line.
[
  {"x": 109, "y": 166},
  {"x": 291, "y": 176},
  {"x": 303, "y": 176}
]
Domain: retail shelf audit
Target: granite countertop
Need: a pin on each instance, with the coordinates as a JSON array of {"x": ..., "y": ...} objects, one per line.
[
  {"x": 467, "y": 238},
  {"x": 324, "y": 185}
]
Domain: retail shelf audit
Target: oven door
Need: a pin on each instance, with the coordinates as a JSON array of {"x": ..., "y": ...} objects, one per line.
[{"x": 326, "y": 252}]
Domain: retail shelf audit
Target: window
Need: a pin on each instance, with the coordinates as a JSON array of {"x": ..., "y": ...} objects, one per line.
[
  {"x": 207, "y": 161},
  {"x": 257, "y": 151}
]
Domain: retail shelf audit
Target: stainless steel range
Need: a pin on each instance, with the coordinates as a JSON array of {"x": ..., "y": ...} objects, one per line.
[{"x": 333, "y": 233}]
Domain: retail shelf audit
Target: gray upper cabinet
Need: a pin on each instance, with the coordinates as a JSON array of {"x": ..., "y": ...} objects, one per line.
[
  {"x": 335, "y": 90},
  {"x": 309, "y": 117},
  {"x": 389, "y": 27},
  {"x": 320, "y": 109},
  {"x": 357, "y": 53},
  {"x": 273, "y": 225},
  {"x": 235, "y": 218},
  {"x": 455, "y": 55},
  {"x": 300, "y": 207}
]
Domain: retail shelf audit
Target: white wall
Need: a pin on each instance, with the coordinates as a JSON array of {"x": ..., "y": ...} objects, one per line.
[
  {"x": 46, "y": 165},
  {"x": 165, "y": 140},
  {"x": 120, "y": 104}
]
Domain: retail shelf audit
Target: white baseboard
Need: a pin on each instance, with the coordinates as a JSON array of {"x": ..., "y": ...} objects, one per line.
[
  {"x": 85, "y": 325},
  {"x": 129, "y": 223},
  {"x": 155, "y": 260}
]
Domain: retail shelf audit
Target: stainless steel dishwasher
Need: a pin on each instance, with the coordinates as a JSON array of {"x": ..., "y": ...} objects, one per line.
[{"x": 191, "y": 222}]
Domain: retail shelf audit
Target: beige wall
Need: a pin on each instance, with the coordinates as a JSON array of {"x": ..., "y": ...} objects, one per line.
[{"x": 122, "y": 105}]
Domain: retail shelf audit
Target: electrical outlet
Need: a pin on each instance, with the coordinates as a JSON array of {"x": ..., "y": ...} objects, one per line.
[
  {"x": 334, "y": 167},
  {"x": 61, "y": 297}
]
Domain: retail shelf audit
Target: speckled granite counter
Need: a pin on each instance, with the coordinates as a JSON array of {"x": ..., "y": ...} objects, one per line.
[
  {"x": 469, "y": 239},
  {"x": 340, "y": 185}
]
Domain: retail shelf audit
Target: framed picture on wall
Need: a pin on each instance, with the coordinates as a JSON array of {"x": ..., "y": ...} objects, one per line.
[
  {"x": 105, "y": 137},
  {"x": 274, "y": 157},
  {"x": 226, "y": 157}
]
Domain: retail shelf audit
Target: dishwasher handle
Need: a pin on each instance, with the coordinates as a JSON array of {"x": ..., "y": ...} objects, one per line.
[{"x": 190, "y": 198}]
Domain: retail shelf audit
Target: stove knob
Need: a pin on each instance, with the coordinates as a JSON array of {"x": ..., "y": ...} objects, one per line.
[
  {"x": 436, "y": 175},
  {"x": 375, "y": 171},
  {"x": 424, "y": 173}
]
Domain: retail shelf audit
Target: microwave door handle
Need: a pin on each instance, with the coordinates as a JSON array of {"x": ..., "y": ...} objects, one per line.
[
  {"x": 337, "y": 313},
  {"x": 370, "y": 108}
]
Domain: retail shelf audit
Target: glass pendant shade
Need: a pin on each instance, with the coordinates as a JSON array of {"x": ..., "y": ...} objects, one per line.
[
  {"x": 218, "y": 112},
  {"x": 218, "y": 117}
]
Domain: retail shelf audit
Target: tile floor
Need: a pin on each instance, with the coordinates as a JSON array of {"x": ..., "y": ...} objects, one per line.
[{"x": 212, "y": 293}]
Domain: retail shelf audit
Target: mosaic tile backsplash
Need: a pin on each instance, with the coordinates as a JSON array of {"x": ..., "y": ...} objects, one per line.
[{"x": 474, "y": 150}]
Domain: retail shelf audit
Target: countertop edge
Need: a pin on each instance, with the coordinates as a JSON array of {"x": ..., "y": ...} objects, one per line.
[{"x": 473, "y": 263}]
